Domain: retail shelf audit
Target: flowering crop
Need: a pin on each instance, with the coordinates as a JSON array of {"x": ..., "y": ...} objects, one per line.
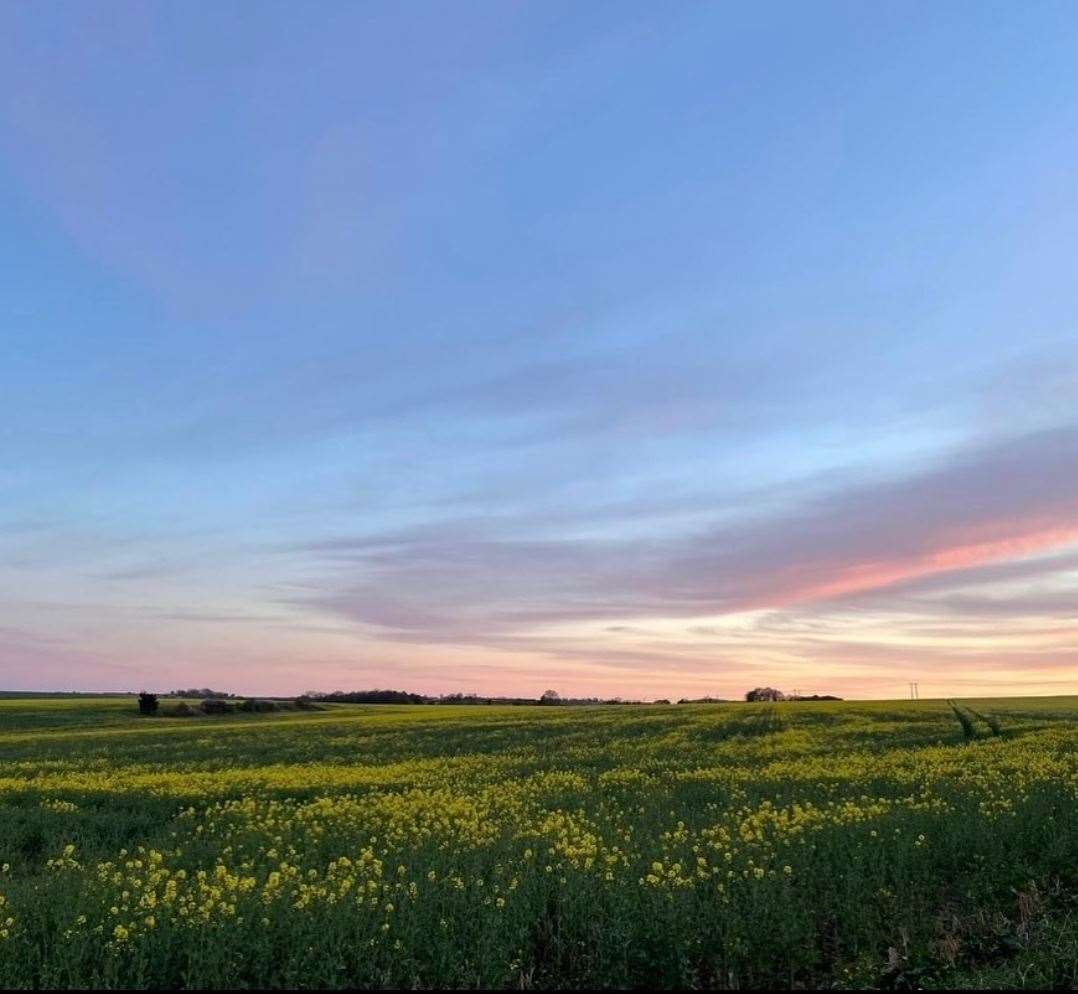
[{"x": 687, "y": 846}]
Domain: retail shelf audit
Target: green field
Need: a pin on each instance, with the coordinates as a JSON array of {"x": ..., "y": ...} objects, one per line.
[{"x": 895, "y": 844}]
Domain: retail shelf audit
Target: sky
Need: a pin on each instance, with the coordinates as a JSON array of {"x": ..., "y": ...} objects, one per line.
[{"x": 623, "y": 349}]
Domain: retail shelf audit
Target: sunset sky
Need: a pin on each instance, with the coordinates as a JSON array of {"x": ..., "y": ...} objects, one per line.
[{"x": 651, "y": 350}]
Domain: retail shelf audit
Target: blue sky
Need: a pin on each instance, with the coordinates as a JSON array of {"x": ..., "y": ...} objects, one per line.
[{"x": 623, "y": 348}]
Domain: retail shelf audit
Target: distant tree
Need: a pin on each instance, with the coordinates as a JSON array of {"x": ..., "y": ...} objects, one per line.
[
  {"x": 765, "y": 694},
  {"x": 550, "y": 697},
  {"x": 369, "y": 697},
  {"x": 661, "y": 700},
  {"x": 147, "y": 703},
  {"x": 200, "y": 693}
]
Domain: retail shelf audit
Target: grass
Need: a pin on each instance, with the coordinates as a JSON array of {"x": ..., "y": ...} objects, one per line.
[{"x": 713, "y": 846}]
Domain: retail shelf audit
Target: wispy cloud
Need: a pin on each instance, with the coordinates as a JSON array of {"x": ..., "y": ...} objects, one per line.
[{"x": 980, "y": 508}]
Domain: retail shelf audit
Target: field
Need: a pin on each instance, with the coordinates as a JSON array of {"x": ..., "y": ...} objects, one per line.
[{"x": 898, "y": 844}]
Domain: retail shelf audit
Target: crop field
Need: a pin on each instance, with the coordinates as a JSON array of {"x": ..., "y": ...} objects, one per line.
[{"x": 899, "y": 844}]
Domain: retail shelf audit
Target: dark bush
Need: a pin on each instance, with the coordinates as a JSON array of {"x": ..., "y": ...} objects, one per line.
[
  {"x": 214, "y": 705},
  {"x": 147, "y": 703}
]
